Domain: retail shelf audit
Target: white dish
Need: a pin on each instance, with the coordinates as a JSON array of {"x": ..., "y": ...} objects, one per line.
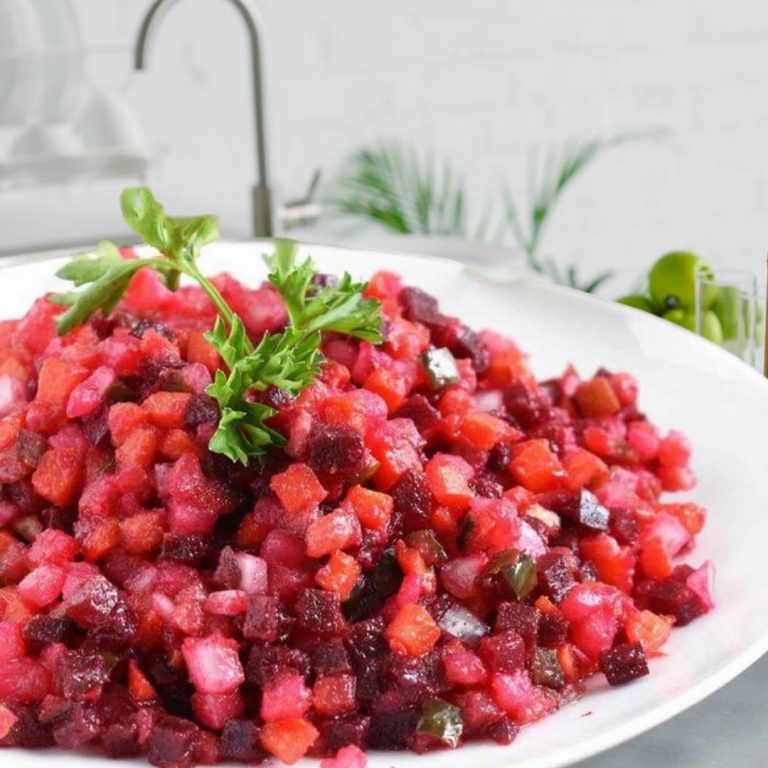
[{"x": 686, "y": 383}]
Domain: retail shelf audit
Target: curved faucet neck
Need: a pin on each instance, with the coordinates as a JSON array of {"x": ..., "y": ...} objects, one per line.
[{"x": 261, "y": 193}]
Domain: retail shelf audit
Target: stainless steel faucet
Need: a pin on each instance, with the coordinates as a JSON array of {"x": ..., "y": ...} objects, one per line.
[{"x": 262, "y": 196}]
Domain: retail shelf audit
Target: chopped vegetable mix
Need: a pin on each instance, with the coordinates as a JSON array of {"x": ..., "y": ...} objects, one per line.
[{"x": 313, "y": 517}]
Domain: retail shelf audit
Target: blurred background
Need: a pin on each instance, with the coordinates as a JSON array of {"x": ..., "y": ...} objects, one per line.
[{"x": 636, "y": 128}]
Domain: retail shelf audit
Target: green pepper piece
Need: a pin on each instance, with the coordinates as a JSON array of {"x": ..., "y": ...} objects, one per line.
[
  {"x": 521, "y": 575},
  {"x": 546, "y": 669},
  {"x": 442, "y": 721},
  {"x": 441, "y": 367},
  {"x": 428, "y": 546}
]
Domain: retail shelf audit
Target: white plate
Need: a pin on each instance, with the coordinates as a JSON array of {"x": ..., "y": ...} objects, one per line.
[{"x": 686, "y": 383}]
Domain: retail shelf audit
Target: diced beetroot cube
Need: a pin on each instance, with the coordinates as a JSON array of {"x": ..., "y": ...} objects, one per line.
[
  {"x": 12, "y": 644},
  {"x": 92, "y": 602},
  {"x": 285, "y": 697},
  {"x": 53, "y": 546},
  {"x": 87, "y": 397},
  {"x": 172, "y": 742},
  {"x": 240, "y": 742},
  {"x": 81, "y": 674},
  {"x": 623, "y": 663},
  {"x": 253, "y": 574},
  {"x": 319, "y": 612},
  {"x": 213, "y": 663},
  {"x": 347, "y": 757},
  {"x": 462, "y": 666},
  {"x": 459, "y": 576},
  {"x": 520, "y": 699},
  {"x": 480, "y": 713},
  {"x": 216, "y": 710},
  {"x": 42, "y": 586},
  {"x": 76, "y": 574},
  {"x": 674, "y": 450},
  {"x": 262, "y": 619},
  {"x": 702, "y": 582},
  {"x": 338, "y": 530},
  {"x": 669, "y": 531},
  {"x": 7, "y": 721},
  {"x": 334, "y": 694},
  {"x": 229, "y": 602},
  {"x": 24, "y": 680},
  {"x": 194, "y": 502},
  {"x": 503, "y": 652}
]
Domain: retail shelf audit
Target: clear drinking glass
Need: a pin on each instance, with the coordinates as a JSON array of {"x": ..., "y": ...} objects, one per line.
[{"x": 726, "y": 307}]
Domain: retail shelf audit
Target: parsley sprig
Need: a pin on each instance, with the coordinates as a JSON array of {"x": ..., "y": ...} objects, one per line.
[{"x": 289, "y": 361}]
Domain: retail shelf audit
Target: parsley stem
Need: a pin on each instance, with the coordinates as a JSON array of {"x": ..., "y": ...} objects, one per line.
[{"x": 213, "y": 293}]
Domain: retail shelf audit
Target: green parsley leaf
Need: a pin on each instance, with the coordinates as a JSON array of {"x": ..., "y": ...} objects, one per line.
[
  {"x": 289, "y": 361},
  {"x": 180, "y": 238},
  {"x": 341, "y": 308},
  {"x": 107, "y": 275}
]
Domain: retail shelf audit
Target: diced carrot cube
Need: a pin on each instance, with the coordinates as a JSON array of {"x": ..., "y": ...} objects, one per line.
[
  {"x": 289, "y": 740},
  {"x": 615, "y": 565},
  {"x": 56, "y": 380},
  {"x": 166, "y": 409},
  {"x": 142, "y": 533},
  {"x": 390, "y": 386},
  {"x": 448, "y": 477},
  {"x": 483, "y": 430},
  {"x": 413, "y": 631},
  {"x": 340, "y": 575},
  {"x": 655, "y": 560},
  {"x": 537, "y": 467},
  {"x": 139, "y": 448},
  {"x": 57, "y": 477},
  {"x": 101, "y": 540},
  {"x": 200, "y": 351},
  {"x": 122, "y": 419},
  {"x": 297, "y": 488},
  {"x": 596, "y": 398},
  {"x": 138, "y": 685},
  {"x": 583, "y": 468},
  {"x": 176, "y": 442},
  {"x": 648, "y": 629},
  {"x": 373, "y": 509},
  {"x": 338, "y": 530}
]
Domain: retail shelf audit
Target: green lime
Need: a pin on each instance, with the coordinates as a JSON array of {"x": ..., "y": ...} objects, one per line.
[
  {"x": 687, "y": 319},
  {"x": 638, "y": 302},
  {"x": 728, "y": 308},
  {"x": 672, "y": 280}
]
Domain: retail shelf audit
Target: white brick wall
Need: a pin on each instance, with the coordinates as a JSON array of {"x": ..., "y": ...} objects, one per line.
[{"x": 482, "y": 81}]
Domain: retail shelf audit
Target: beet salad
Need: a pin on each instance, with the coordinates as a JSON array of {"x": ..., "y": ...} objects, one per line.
[{"x": 315, "y": 517}]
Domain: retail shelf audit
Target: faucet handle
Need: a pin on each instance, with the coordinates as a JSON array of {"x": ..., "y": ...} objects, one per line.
[
  {"x": 314, "y": 182},
  {"x": 295, "y": 213}
]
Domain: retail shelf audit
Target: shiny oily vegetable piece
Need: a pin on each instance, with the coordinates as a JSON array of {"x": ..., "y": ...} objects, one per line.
[{"x": 442, "y": 721}]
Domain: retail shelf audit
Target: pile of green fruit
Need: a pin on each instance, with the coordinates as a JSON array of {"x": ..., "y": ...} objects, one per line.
[{"x": 672, "y": 295}]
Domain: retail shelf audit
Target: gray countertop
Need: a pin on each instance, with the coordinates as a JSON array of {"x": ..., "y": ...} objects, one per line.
[{"x": 727, "y": 729}]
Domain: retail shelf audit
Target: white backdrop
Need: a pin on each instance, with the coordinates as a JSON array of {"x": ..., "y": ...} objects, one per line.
[{"x": 481, "y": 81}]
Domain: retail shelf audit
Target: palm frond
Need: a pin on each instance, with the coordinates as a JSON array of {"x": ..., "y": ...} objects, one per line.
[{"x": 406, "y": 191}]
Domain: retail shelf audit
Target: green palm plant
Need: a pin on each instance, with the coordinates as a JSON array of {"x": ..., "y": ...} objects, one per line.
[
  {"x": 414, "y": 193},
  {"x": 547, "y": 182},
  {"x": 407, "y": 192}
]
